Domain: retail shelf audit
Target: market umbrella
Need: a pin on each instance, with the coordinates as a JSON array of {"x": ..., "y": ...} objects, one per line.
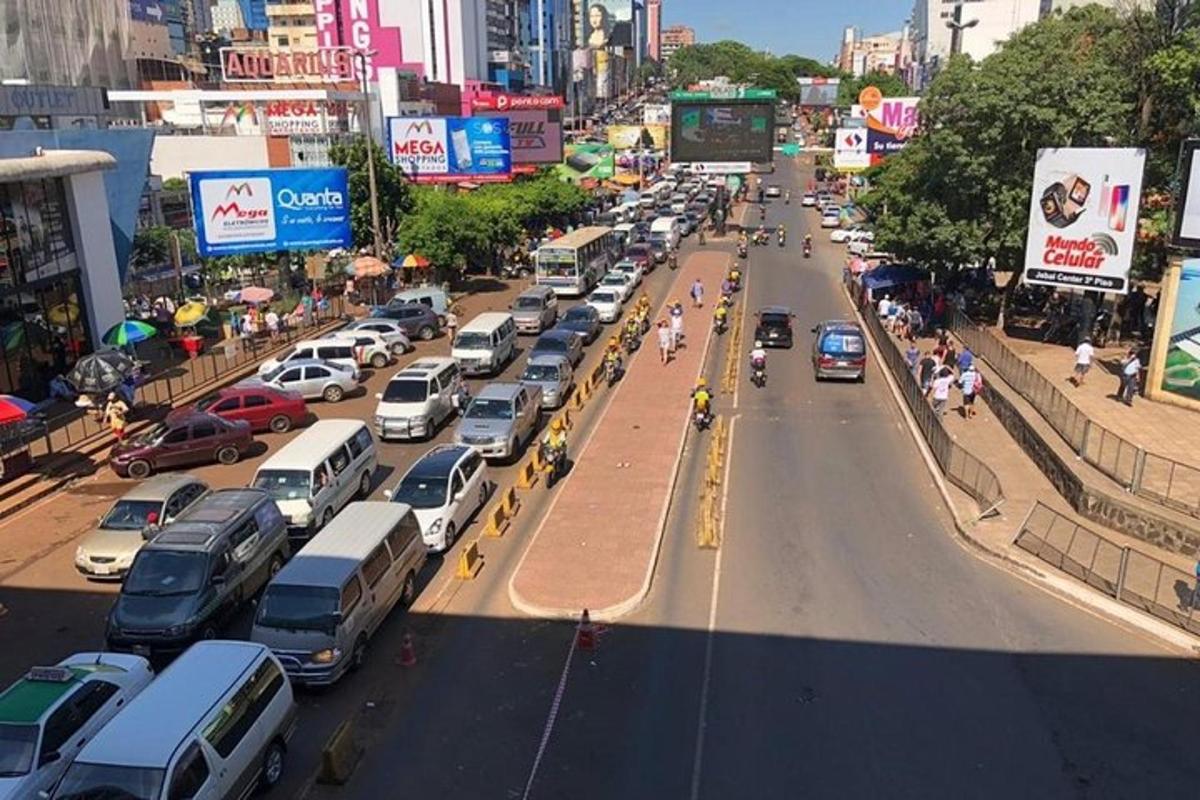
[
  {"x": 131, "y": 331},
  {"x": 12, "y": 336},
  {"x": 412, "y": 261},
  {"x": 63, "y": 314},
  {"x": 13, "y": 409},
  {"x": 190, "y": 313},
  {"x": 100, "y": 372},
  {"x": 369, "y": 267},
  {"x": 256, "y": 294}
]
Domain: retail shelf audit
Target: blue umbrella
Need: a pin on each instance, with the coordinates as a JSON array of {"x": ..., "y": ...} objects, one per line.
[{"x": 131, "y": 331}]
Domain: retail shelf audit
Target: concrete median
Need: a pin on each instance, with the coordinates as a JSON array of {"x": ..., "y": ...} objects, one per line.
[
  {"x": 527, "y": 473},
  {"x": 340, "y": 756},
  {"x": 470, "y": 561}
]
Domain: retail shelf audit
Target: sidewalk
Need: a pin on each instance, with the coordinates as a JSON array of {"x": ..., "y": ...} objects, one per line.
[{"x": 597, "y": 546}]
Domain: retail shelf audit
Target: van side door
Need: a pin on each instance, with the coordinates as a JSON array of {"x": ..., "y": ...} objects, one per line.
[
  {"x": 343, "y": 477},
  {"x": 383, "y": 586},
  {"x": 236, "y": 731}
]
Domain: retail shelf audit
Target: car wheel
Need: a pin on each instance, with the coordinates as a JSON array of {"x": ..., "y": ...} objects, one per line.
[
  {"x": 272, "y": 766},
  {"x": 364, "y": 487},
  {"x": 451, "y": 535},
  {"x": 430, "y": 427},
  {"x": 426, "y": 333},
  {"x": 140, "y": 469},
  {"x": 408, "y": 592},
  {"x": 327, "y": 517},
  {"x": 358, "y": 656},
  {"x": 399, "y": 349},
  {"x": 275, "y": 565},
  {"x": 333, "y": 394},
  {"x": 513, "y": 455},
  {"x": 228, "y": 455},
  {"x": 280, "y": 423},
  {"x": 379, "y": 360}
]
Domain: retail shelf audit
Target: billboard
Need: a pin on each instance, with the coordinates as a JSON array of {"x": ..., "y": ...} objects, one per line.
[
  {"x": 536, "y": 135},
  {"x": 1083, "y": 217},
  {"x": 1187, "y": 204},
  {"x": 850, "y": 150},
  {"x": 818, "y": 92},
  {"x": 891, "y": 122},
  {"x": 605, "y": 23},
  {"x": 595, "y": 161},
  {"x": 355, "y": 24},
  {"x": 656, "y": 114},
  {"x": 1181, "y": 370},
  {"x": 722, "y": 130},
  {"x": 629, "y": 137},
  {"x": 264, "y": 210},
  {"x": 451, "y": 149},
  {"x": 147, "y": 11}
]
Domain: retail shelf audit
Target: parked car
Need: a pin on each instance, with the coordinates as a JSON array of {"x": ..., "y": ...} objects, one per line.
[
  {"x": 853, "y": 233},
  {"x": 535, "y": 309},
  {"x": 107, "y": 550},
  {"x": 607, "y": 303},
  {"x": 839, "y": 351},
  {"x": 620, "y": 281},
  {"x": 432, "y": 297},
  {"x": 809, "y": 199},
  {"x": 48, "y": 715},
  {"x": 501, "y": 419},
  {"x": 418, "y": 321},
  {"x": 551, "y": 373},
  {"x": 192, "y": 437},
  {"x": 559, "y": 343},
  {"x": 774, "y": 326},
  {"x": 335, "y": 350},
  {"x": 312, "y": 379},
  {"x": 831, "y": 217},
  {"x": 417, "y": 399},
  {"x": 265, "y": 407},
  {"x": 445, "y": 488},
  {"x": 391, "y": 331},
  {"x": 583, "y": 320},
  {"x": 189, "y": 581},
  {"x": 370, "y": 348}
]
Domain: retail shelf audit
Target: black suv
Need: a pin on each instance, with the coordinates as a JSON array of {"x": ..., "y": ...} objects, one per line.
[{"x": 774, "y": 327}]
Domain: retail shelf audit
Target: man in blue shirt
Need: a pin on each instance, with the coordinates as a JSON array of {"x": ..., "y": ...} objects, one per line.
[{"x": 965, "y": 360}]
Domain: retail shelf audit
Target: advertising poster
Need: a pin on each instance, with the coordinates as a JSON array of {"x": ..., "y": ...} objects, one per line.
[
  {"x": 606, "y": 23},
  {"x": 1181, "y": 373},
  {"x": 818, "y": 92},
  {"x": 656, "y": 114},
  {"x": 631, "y": 137},
  {"x": 1083, "y": 217},
  {"x": 356, "y": 24},
  {"x": 891, "y": 122},
  {"x": 451, "y": 149},
  {"x": 1187, "y": 220},
  {"x": 850, "y": 150},
  {"x": 264, "y": 210},
  {"x": 722, "y": 130},
  {"x": 297, "y": 116},
  {"x": 582, "y": 161},
  {"x": 534, "y": 124}
]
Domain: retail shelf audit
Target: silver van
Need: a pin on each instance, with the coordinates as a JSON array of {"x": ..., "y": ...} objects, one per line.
[
  {"x": 535, "y": 309},
  {"x": 320, "y": 611},
  {"x": 485, "y": 344},
  {"x": 417, "y": 399},
  {"x": 314, "y": 475}
]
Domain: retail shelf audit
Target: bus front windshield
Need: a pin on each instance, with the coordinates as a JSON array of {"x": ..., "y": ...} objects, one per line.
[{"x": 556, "y": 262}]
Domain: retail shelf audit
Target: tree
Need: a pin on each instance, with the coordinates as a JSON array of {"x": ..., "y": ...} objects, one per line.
[
  {"x": 155, "y": 247},
  {"x": 740, "y": 64},
  {"x": 395, "y": 196},
  {"x": 649, "y": 70},
  {"x": 889, "y": 85},
  {"x": 174, "y": 185}
]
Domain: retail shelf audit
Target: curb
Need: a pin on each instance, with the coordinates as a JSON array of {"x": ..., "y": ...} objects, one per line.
[{"x": 1062, "y": 588}]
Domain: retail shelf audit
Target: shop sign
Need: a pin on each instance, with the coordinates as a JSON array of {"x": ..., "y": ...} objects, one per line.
[{"x": 331, "y": 65}]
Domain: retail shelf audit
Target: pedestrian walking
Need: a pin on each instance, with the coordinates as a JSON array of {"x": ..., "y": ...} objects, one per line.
[
  {"x": 697, "y": 293},
  {"x": 968, "y": 382},
  {"x": 272, "y": 320},
  {"x": 666, "y": 341},
  {"x": 1084, "y": 354},
  {"x": 451, "y": 324},
  {"x": 1131, "y": 372},
  {"x": 941, "y": 390},
  {"x": 926, "y": 367},
  {"x": 966, "y": 360},
  {"x": 676, "y": 326},
  {"x": 116, "y": 413},
  {"x": 884, "y": 307},
  {"x": 912, "y": 357}
]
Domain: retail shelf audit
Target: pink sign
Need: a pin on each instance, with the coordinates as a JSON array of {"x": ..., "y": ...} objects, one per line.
[{"x": 355, "y": 24}]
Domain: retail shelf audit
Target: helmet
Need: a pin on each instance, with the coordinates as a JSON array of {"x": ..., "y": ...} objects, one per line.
[
  {"x": 613, "y": 341},
  {"x": 757, "y": 344},
  {"x": 557, "y": 425},
  {"x": 701, "y": 383}
]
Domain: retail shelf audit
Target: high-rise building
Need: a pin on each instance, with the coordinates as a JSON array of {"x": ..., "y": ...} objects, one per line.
[
  {"x": 546, "y": 41},
  {"x": 227, "y": 16},
  {"x": 447, "y": 38},
  {"x": 83, "y": 43},
  {"x": 675, "y": 37},
  {"x": 254, "y": 14},
  {"x": 884, "y": 52},
  {"x": 291, "y": 26},
  {"x": 654, "y": 29}
]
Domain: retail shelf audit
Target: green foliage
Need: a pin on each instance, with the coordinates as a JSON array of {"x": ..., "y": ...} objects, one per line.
[
  {"x": 741, "y": 64},
  {"x": 889, "y": 85},
  {"x": 154, "y": 247},
  {"x": 174, "y": 185},
  {"x": 395, "y": 196}
]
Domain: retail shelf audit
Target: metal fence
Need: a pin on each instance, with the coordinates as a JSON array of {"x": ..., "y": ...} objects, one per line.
[
  {"x": 962, "y": 468},
  {"x": 1130, "y": 576},
  {"x": 1155, "y": 477}
]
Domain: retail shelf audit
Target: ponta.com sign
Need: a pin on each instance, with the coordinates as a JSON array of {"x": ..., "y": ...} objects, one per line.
[
  {"x": 451, "y": 149},
  {"x": 1083, "y": 217},
  {"x": 264, "y": 210}
]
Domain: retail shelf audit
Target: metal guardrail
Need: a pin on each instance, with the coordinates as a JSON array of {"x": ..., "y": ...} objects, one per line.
[
  {"x": 1155, "y": 477},
  {"x": 962, "y": 468},
  {"x": 1130, "y": 576}
]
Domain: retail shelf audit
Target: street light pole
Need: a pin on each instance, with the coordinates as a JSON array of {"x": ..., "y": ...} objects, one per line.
[
  {"x": 957, "y": 26},
  {"x": 361, "y": 57}
]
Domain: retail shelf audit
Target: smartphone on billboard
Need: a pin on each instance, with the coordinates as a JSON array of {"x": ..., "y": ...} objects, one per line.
[
  {"x": 462, "y": 150},
  {"x": 1118, "y": 207}
]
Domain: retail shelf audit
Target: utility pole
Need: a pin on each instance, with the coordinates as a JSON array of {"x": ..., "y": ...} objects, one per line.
[
  {"x": 360, "y": 56},
  {"x": 957, "y": 26}
]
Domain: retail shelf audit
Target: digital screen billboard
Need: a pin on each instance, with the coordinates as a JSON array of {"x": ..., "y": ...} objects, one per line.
[
  {"x": 818, "y": 92},
  {"x": 451, "y": 149},
  {"x": 722, "y": 130}
]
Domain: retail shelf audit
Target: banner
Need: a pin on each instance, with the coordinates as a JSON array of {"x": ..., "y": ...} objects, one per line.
[
  {"x": 356, "y": 25},
  {"x": 656, "y": 114},
  {"x": 722, "y": 130},
  {"x": 1181, "y": 371},
  {"x": 296, "y": 116},
  {"x": 891, "y": 122},
  {"x": 536, "y": 135},
  {"x": 1187, "y": 200},
  {"x": 720, "y": 168},
  {"x": 582, "y": 161},
  {"x": 264, "y": 210},
  {"x": 502, "y": 101},
  {"x": 451, "y": 149},
  {"x": 1083, "y": 217},
  {"x": 850, "y": 150},
  {"x": 630, "y": 137},
  {"x": 606, "y": 23},
  {"x": 818, "y": 92}
]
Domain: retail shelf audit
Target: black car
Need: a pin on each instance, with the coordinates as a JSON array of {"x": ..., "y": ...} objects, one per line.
[
  {"x": 774, "y": 326},
  {"x": 581, "y": 320},
  {"x": 559, "y": 342}
]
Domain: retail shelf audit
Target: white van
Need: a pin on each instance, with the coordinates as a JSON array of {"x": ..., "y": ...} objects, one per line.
[
  {"x": 668, "y": 228},
  {"x": 656, "y": 194},
  {"x": 318, "y": 472},
  {"x": 214, "y": 724},
  {"x": 417, "y": 399},
  {"x": 338, "y": 350},
  {"x": 319, "y": 612},
  {"x": 485, "y": 344},
  {"x": 629, "y": 212}
]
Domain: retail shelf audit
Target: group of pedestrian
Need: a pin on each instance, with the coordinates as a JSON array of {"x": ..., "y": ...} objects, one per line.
[
  {"x": 901, "y": 317},
  {"x": 1129, "y": 372},
  {"x": 670, "y": 332},
  {"x": 940, "y": 369}
]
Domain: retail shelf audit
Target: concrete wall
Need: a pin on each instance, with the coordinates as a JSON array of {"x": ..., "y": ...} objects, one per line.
[
  {"x": 94, "y": 250},
  {"x": 174, "y": 155}
]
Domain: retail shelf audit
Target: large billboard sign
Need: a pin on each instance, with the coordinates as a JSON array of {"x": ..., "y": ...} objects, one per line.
[
  {"x": 536, "y": 135},
  {"x": 150, "y": 11},
  {"x": 451, "y": 149},
  {"x": 1083, "y": 217},
  {"x": 502, "y": 101},
  {"x": 637, "y": 137},
  {"x": 722, "y": 130},
  {"x": 355, "y": 24},
  {"x": 265, "y": 210},
  {"x": 891, "y": 122},
  {"x": 606, "y": 23},
  {"x": 818, "y": 92},
  {"x": 331, "y": 65},
  {"x": 1187, "y": 204},
  {"x": 1181, "y": 372},
  {"x": 588, "y": 161},
  {"x": 850, "y": 150}
]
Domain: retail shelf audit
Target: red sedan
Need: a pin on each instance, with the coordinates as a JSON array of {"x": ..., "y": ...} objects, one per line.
[{"x": 264, "y": 407}]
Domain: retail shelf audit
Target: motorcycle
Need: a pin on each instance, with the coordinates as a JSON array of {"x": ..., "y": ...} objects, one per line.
[
  {"x": 555, "y": 459},
  {"x": 612, "y": 370},
  {"x": 719, "y": 325},
  {"x": 782, "y": 239},
  {"x": 758, "y": 375},
  {"x": 741, "y": 250},
  {"x": 701, "y": 418},
  {"x": 673, "y": 261},
  {"x": 807, "y": 249},
  {"x": 761, "y": 237},
  {"x": 735, "y": 282},
  {"x": 630, "y": 341}
]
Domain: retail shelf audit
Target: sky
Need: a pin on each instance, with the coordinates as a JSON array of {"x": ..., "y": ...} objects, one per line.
[{"x": 810, "y": 28}]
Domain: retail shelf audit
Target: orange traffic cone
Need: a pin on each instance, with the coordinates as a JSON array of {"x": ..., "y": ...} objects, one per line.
[
  {"x": 586, "y": 636},
  {"x": 408, "y": 656}
]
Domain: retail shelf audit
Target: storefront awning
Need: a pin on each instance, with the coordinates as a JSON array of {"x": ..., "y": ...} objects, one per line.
[{"x": 54, "y": 164}]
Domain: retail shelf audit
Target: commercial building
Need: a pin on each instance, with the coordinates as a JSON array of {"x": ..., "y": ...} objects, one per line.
[
  {"x": 227, "y": 17},
  {"x": 506, "y": 61},
  {"x": 888, "y": 53},
  {"x": 675, "y": 37},
  {"x": 546, "y": 39},
  {"x": 82, "y": 43},
  {"x": 291, "y": 26},
  {"x": 254, "y": 13},
  {"x": 654, "y": 29},
  {"x": 445, "y": 41}
]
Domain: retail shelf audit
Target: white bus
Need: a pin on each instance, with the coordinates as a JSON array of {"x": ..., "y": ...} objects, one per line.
[{"x": 571, "y": 265}]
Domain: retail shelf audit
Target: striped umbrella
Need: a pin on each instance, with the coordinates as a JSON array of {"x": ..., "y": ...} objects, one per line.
[
  {"x": 131, "y": 331},
  {"x": 412, "y": 261},
  {"x": 13, "y": 409}
]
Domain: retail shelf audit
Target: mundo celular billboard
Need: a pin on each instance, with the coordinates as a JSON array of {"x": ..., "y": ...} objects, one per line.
[
  {"x": 264, "y": 210},
  {"x": 451, "y": 149}
]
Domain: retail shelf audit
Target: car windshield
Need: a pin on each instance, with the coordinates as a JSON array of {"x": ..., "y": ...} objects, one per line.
[
  {"x": 298, "y": 608},
  {"x": 485, "y": 408},
  {"x": 17, "y": 744},
  {"x": 405, "y": 391},
  {"x": 206, "y": 402},
  {"x": 284, "y": 484},
  {"x": 155, "y": 433},
  {"x": 528, "y": 303},
  {"x": 578, "y": 314},
  {"x": 638, "y": 250},
  {"x": 614, "y": 279},
  {"x": 603, "y": 297},
  {"x": 470, "y": 340},
  {"x": 552, "y": 345},
  {"x": 271, "y": 375},
  {"x": 421, "y": 491},
  {"x": 131, "y": 515},
  {"x": 773, "y": 319},
  {"x": 166, "y": 572},
  {"x": 842, "y": 343},
  {"x": 105, "y": 782},
  {"x": 540, "y": 372}
]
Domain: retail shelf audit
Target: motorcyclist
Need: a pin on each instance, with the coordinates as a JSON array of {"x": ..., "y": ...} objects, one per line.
[
  {"x": 808, "y": 240},
  {"x": 701, "y": 398},
  {"x": 633, "y": 327},
  {"x": 556, "y": 437},
  {"x": 726, "y": 288},
  {"x": 787, "y": 197},
  {"x": 719, "y": 315},
  {"x": 758, "y": 357},
  {"x": 762, "y": 212},
  {"x": 735, "y": 277},
  {"x": 673, "y": 260},
  {"x": 782, "y": 234},
  {"x": 612, "y": 354}
]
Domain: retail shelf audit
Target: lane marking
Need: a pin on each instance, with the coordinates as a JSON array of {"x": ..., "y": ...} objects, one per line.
[
  {"x": 702, "y": 722},
  {"x": 555, "y": 703}
]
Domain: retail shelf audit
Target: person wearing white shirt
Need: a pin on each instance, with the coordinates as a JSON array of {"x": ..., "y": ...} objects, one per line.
[
  {"x": 941, "y": 390},
  {"x": 1131, "y": 373},
  {"x": 885, "y": 305},
  {"x": 1083, "y": 361}
]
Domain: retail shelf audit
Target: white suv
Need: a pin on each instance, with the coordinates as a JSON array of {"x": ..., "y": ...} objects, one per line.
[
  {"x": 370, "y": 347},
  {"x": 391, "y": 331},
  {"x": 446, "y": 488},
  {"x": 417, "y": 399}
]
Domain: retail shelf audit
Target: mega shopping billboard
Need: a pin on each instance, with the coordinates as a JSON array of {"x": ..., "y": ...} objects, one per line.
[
  {"x": 265, "y": 210},
  {"x": 451, "y": 149},
  {"x": 714, "y": 130}
]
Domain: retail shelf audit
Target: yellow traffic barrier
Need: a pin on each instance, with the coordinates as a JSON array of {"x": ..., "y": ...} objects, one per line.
[
  {"x": 577, "y": 398},
  {"x": 496, "y": 522},
  {"x": 339, "y": 757},
  {"x": 510, "y": 503},
  {"x": 597, "y": 375},
  {"x": 527, "y": 475},
  {"x": 469, "y": 562},
  {"x": 565, "y": 416},
  {"x": 535, "y": 458}
]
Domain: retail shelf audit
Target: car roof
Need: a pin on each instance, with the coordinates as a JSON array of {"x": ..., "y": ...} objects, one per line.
[
  {"x": 159, "y": 487},
  {"x": 841, "y": 325},
  {"x": 423, "y": 367},
  {"x": 583, "y": 309},
  {"x": 499, "y": 390},
  {"x": 148, "y": 731},
  {"x": 201, "y": 525},
  {"x": 27, "y": 699},
  {"x": 554, "y": 333},
  {"x": 187, "y": 416},
  {"x": 487, "y": 321},
  {"x": 775, "y": 310},
  {"x": 316, "y": 441},
  {"x": 439, "y": 461},
  {"x": 548, "y": 359},
  {"x": 330, "y": 557},
  {"x": 303, "y": 362}
]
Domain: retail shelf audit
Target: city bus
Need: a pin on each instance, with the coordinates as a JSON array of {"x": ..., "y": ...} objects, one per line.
[{"x": 572, "y": 264}]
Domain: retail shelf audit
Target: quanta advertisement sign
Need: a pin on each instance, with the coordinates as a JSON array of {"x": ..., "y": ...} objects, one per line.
[
  {"x": 259, "y": 211},
  {"x": 1083, "y": 217},
  {"x": 818, "y": 92},
  {"x": 722, "y": 130},
  {"x": 451, "y": 149}
]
